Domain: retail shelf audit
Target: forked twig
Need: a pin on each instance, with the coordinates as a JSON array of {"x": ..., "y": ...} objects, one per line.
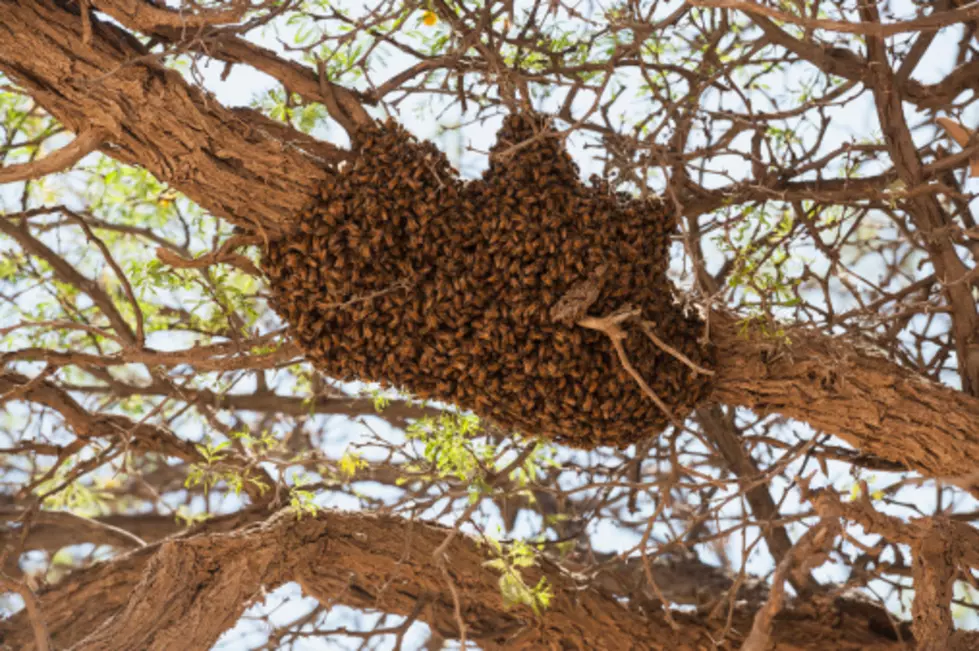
[
  {"x": 610, "y": 325},
  {"x": 647, "y": 327}
]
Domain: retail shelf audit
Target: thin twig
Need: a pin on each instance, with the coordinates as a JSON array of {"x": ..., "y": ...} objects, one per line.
[
  {"x": 116, "y": 269},
  {"x": 41, "y": 639},
  {"x": 456, "y": 604},
  {"x": 647, "y": 327},
  {"x": 224, "y": 254},
  {"x": 610, "y": 326}
]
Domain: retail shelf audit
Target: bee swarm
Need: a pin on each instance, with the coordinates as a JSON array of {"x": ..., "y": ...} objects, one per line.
[{"x": 405, "y": 275}]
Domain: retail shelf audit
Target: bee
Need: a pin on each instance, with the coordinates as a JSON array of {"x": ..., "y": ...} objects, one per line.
[{"x": 492, "y": 253}]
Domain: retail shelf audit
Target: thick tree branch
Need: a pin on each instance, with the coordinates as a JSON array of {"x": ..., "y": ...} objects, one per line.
[
  {"x": 166, "y": 594},
  {"x": 227, "y": 161},
  {"x": 172, "y": 587},
  {"x": 681, "y": 577},
  {"x": 88, "y": 597},
  {"x": 848, "y": 388}
]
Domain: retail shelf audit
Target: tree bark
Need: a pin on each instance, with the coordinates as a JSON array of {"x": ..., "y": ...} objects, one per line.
[
  {"x": 226, "y": 160},
  {"x": 848, "y": 388},
  {"x": 165, "y": 595}
]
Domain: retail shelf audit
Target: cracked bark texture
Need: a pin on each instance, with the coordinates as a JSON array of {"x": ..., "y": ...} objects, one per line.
[
  {"x": 184, "y": 592},
  {"x": 848, "y": 388},
  {"x": 230, "y": 161}
]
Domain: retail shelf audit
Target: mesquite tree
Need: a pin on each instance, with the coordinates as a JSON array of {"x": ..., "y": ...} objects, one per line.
[{"x": 353, "y": 354}]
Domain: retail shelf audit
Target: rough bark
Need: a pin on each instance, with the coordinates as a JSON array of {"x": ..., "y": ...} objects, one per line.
[
  {"x": 165, "y": 595},
  {"x": 682, "y": 578},
  {"x": 227, "y": 160},
  {"x": 848, "y": 388}
]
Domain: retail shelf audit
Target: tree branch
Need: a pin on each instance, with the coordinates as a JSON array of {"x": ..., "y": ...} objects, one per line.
[
  {"x": 165, "y": 595},
  {"x": 845, "y": 63},
  {"x": 84, "y": 144},
  {"x": 847, "y": 387},
  {"x": 838, "y": 385},
  {"x": 66, "y": 273},
  {"x": 397, "y": 413},
  {"x": 145, "y": 16},
  {"x": 228, "y": 161},
  {"x": 934, "y": 21},
  {"x": 139, "y": 436}
]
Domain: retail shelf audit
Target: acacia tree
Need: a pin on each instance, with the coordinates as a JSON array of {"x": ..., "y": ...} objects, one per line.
[{"x": 172, "y": 464}]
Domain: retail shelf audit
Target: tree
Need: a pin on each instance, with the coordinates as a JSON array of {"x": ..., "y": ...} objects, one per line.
[{"x": 172, "y": 459}]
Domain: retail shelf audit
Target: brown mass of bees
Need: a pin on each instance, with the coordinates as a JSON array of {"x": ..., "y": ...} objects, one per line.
[{"x": 405, "y": 275}]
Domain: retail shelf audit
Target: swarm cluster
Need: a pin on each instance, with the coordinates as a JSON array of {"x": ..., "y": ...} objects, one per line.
[{"x": 405, "y": 275}]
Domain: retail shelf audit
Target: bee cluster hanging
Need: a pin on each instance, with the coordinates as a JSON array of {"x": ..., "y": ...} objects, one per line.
[{"x": 405, "y": 275}]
